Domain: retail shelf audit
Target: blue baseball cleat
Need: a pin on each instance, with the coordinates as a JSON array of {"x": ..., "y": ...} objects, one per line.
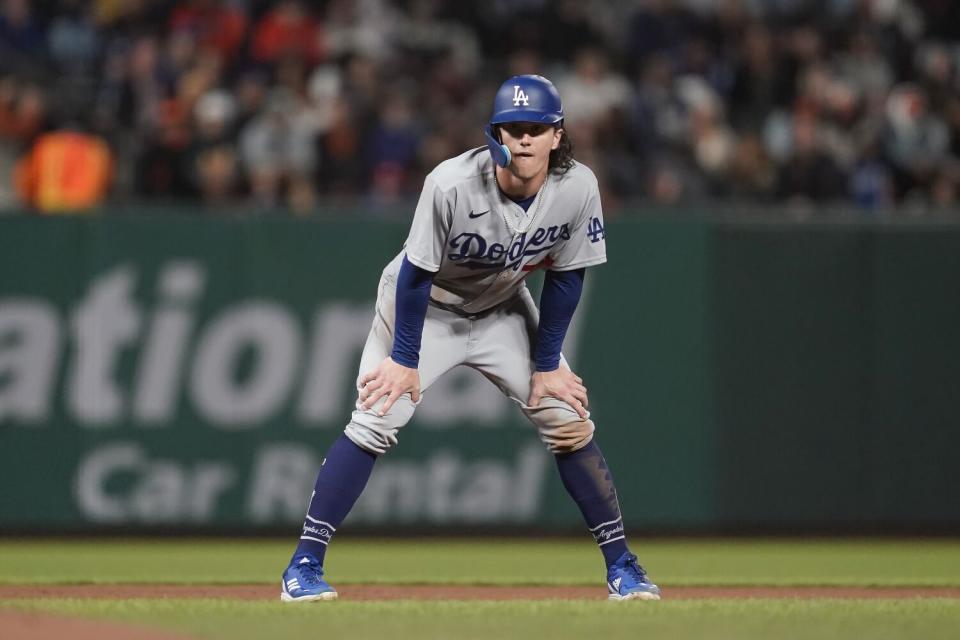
[
  {"x": 627, "y": 580},
  {"x": 303, "y": 581}
]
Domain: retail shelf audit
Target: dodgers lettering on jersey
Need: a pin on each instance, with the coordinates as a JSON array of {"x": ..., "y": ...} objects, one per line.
[
  {"x": 470, "y": 250},
  {"x": 482, "y": 245}
]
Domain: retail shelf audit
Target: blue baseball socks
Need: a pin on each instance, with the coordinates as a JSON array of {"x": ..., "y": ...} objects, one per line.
[
  {"x": 343, "y": 475},
  {"x": 588, "y": 481},
  {"x": 347, "y": 468}
]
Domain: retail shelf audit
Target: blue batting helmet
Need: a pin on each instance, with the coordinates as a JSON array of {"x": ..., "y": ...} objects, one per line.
[{"x": 526, "y": 98}]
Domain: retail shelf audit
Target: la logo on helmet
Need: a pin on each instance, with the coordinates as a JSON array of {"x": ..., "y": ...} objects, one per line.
[{"x": 519, "y": 96}]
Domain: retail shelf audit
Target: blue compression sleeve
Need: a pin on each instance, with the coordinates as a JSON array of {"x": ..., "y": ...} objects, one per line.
[
  {"x": 413, "y": 295},
  {"x": 561, "y": 293}
]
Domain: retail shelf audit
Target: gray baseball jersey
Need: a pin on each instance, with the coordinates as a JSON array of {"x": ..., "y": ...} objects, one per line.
[{"x": 482, "y": 245}]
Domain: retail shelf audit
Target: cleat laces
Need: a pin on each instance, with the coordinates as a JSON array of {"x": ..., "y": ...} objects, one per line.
[
  {"x": 310, "y": 575},
  {"x": 635, "y": 570}
]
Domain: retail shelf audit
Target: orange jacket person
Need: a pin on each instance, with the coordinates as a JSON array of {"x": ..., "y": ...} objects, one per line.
[{"x": 65, "y": 171}]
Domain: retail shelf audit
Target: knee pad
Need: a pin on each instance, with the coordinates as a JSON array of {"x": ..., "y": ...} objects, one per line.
[{"x": 569, "y": 437}]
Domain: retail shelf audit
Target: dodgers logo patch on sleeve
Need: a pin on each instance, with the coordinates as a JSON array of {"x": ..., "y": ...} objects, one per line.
[{"x": 595, "y": 230}]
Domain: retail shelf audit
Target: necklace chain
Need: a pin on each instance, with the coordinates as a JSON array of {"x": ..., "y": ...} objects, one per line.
[{"x": 541, "y": 196}]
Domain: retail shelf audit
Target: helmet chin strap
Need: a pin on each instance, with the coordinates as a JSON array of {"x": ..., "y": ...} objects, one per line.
[{"x": 499, "y": 152}]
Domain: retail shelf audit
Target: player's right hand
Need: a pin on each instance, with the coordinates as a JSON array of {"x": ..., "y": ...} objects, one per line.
[
  {"x": 562, "y": 384},
  {"x": 389, "y": 379}
]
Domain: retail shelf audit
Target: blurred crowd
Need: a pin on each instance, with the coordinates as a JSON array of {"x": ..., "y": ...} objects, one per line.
[{"x": 291, "y": 105}]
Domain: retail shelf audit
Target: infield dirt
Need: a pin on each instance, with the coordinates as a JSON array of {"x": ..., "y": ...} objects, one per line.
[{"x": 35, "y": 626}]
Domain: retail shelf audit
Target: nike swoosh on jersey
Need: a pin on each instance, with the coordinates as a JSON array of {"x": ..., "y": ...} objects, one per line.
[{"x": 477, "y": 215}]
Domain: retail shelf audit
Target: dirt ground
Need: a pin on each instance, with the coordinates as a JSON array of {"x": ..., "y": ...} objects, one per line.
[{"x": 31, "y": 626}]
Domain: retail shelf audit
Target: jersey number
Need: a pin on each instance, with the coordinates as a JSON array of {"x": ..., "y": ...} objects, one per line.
[{"x": 595, "y": 230}]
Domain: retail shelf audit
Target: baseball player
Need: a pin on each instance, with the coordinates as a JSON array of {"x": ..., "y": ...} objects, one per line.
[{"x": 456, "y": 295}]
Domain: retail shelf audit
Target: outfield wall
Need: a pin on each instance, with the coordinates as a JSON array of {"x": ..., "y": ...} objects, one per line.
[{"x": 190, "y": 372}]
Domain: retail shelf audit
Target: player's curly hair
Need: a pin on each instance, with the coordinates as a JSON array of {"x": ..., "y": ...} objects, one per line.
[{"x": 561, "y": 158}]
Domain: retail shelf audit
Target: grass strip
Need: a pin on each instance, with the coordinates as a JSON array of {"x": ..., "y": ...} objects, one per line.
[
  {"x": 501, "y": 562},
  {"x": 931, "y": 619}
]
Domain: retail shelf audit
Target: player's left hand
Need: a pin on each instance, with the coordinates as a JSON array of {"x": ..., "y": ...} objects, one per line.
[{"x": 562, "y": 384}]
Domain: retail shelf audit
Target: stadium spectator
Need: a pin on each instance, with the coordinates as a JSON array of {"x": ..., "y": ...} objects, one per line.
[
  {"x": 23, "y": 112},
  {"x": 162, "y": 170},
  {"x": 278, "y": 150},
  {"x": 392, "y": 147},
  {"x": 21, "y": 34},
  {"x": 66, "y": 171},
  {"x": 216, "y": 25},
  {"x": 288, "y": 30},
  {"x": 840, "y": 102},
  {"x": 73, "y": 39},
  {"x": 217, "y": 170},
  {"x": 809, "y": 174}
]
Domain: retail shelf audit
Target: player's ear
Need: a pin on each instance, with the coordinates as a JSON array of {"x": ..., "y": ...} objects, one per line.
[{"x": 558, "y": 134}]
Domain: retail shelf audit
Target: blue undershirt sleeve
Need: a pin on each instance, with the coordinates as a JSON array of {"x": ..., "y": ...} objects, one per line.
[
  {"x": 413, "y": 295},
  {"x": 558, "y": 301}
]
